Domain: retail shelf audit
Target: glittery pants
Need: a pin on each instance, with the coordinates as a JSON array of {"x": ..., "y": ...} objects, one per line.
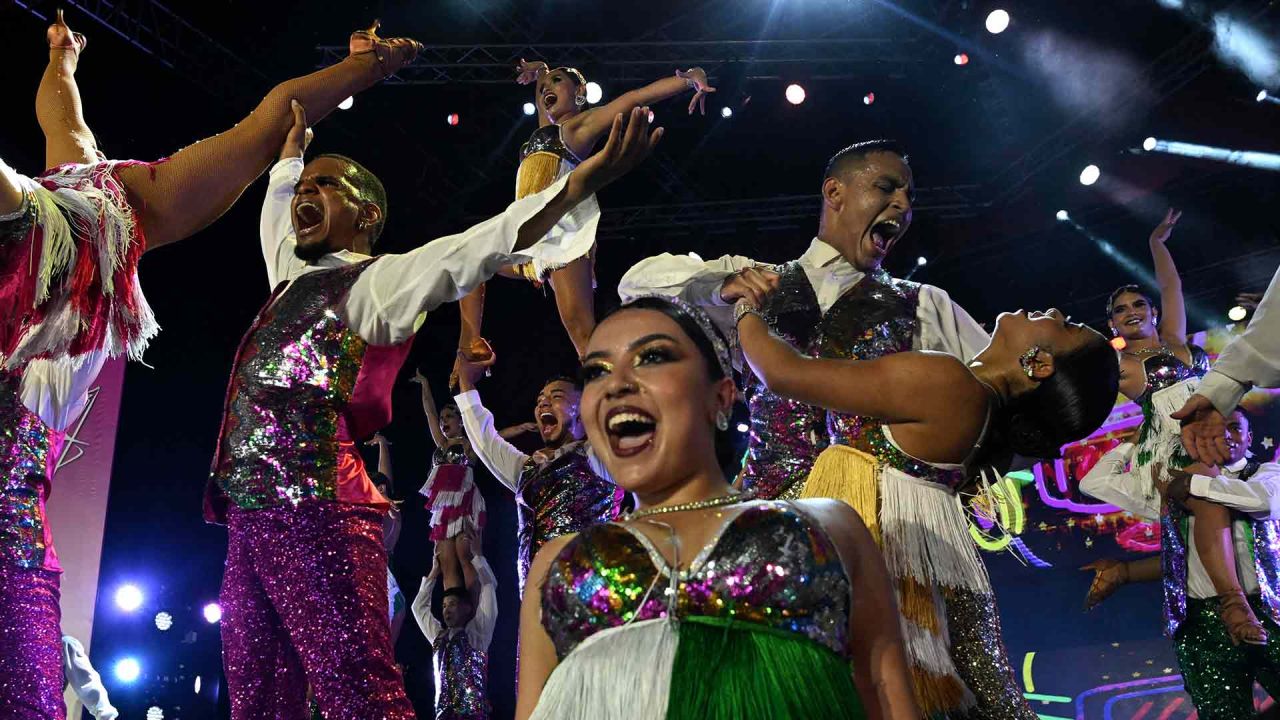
[
  {"x": 30, "y": 645},
  {"x": 304, "y": 601},
  {"x": 1218, "y": 675},
  {"x": 978, "y": 651}
]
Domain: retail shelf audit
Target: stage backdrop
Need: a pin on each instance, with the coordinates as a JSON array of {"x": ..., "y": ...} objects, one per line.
[{"x": 78, "y": 505}]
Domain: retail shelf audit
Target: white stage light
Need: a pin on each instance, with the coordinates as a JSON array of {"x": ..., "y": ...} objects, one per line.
[
  {"x": 453, "y": 119},
  {"x": 1149, "y": 144},
  {"x": 529, "y": 109},
  {"x": 347, "y": 104},
  {"x": 922, "y": 261},
  {"x": 594, "y": 93},
  {"x": 1248, "y": 158},
  {"x": 198, "y": 683},
  {"x": 1262, "y": 95},
  {"x": 1062, "y": 215},
  {"x": 164, "y": 621},
  {"x": 961, "y": 59},
  {"x": 997, "y": 22},
  {"x": 127, "y": 670},
  {"x": 212, "y": 612},
  {"x": 795, "y": 94},
  {"x": 743, "y": 427},
  {"x": 155, "y": 713},
  {"x": 1237, "y": 313},
  {"x": 128, "y": 598},
  {"x": 868, "y": 98},
  {"x": 726, "y": 112},
  {"x": 1090, "y": 175}
]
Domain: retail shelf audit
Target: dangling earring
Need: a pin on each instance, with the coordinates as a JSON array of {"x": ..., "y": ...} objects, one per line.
[
  {"x": 580, "y": 100},
  {"x": 1028, "y": 358},
  {"x": 722, "y": 421},
  {"x": 1115, "y": 332}
]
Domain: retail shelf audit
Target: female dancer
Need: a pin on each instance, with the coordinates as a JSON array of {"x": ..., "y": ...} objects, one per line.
[
  {"x": 1159, "y": 370},
  {"x": 702, "y": 603},
  {"x": 384, "y": 481},
  {"x": 86, "y": 220},
  {"x": 1040, "y": 383},
  {"x": 567, "y": 132}
]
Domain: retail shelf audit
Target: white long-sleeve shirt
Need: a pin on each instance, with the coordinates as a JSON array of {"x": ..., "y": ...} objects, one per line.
[
  {"x": 480, "y": 629},
  {"x": 386, "y": 303},
  {"x": 1259, "y": 497},
  {"x": 57, "y": 390},
  {"x": 85, "y": 681},
  {"x": 504, "y": 460},
  {"x": 941, "y": 324},
  {"x": 1251, "y": 359}
]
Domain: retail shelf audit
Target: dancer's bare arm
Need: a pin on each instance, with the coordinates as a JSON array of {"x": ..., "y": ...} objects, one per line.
[
  {"x": 1173, "y": 309},
  {"x": 583, "y": 131},
  {"x": 537, "y": 654}
]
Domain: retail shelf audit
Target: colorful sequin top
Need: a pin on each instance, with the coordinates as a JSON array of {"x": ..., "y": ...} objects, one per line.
[
  {"x": 548, "y": 139},
  {"x": 563, "y": 496},
  {"x": 461, "y": 678},
  {"x": 29, "y": 452},
  {"x": 872, "y": 437},
  {"x": 303, "y": 386},
  {"x": 874, "y": 318},
  {"x": 770, "y": 566},
  {"x": 1164, "y": 368}
]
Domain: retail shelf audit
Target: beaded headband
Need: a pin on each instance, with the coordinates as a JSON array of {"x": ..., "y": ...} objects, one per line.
[{"x": 704, "y": 324}]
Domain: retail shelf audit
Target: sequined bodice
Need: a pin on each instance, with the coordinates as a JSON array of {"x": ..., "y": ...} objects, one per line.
[
  {"x": 561, "y": 497},
  {"x": 770, "y": 566},
  {"x": 1164, "y": 369},
  {"x": 454, "y": 454},
  {"x": 548, "y": 139},
  {"x": 28, "y": 449},
  {"x": 873, "y": 439},
  {"x": 461, "y": 678},
  {"x": 290, "y": 389}
]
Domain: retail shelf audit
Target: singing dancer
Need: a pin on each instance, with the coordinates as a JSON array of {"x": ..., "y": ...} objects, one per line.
[
  {"x": 1217, "y": 670},
  {"x": 305, "y": 578},
  {"x": 567, "y": 132},
  {"x": 836, "y": 301},
  {"x": 559, "y": 489},
  {"x": 703, "y": 602},
  {"x": 910, "y": 429},
  {"x": 460, "y": 646},
  {"x": 71, "y": 278}
]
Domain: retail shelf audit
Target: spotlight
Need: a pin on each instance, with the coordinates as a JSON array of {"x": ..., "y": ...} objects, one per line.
[
  {"x": 197, "y": 684},
  {"x": 453, "y": 119},
  {"x": 128, "y": 598},
  {"x": 1248, "y": 158},
  {"x": 997, "y": 22},
  {"x": 1062, "y": 215},
  {"x": 212, "y": 612},
  {"x": 529, "y": 109},
  {"x": 868, "y": 98},
  {"x": 962, "y": 59},
  {"x": 795, "y": 94},
  {"x": 1262, "y": 96},
  {"x": 347, "y": 104},
  {"x": 594, "y": 93},
  {"x": 743, "y": 427},
  {"x": 726, "y": 112},
  {"x": 155, "y": 713},
  {"x": 1090, "y": 175},
  {"x": 127, "y": 670},
  {"x": 164, "y": 621},
  {"x": 1237, "y": 313},
  {"x": 1149, "y": 144},
  {"x": 1118, "y": 343},
  {"x": 922, "y": 261}
]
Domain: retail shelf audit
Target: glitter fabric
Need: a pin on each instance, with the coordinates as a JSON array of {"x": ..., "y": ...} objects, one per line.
[
  {"x": 290, "y": 395},
  {"x": 304, "y": 600},
  {"x": 28, "y": 450},
  {"x": 977, "y": 648},
  {"x": 452, "y": 496},
  {"x": 561, "y": 497},
  {"x": 461, "y": 675},
  {"x": 1163, "y": 369},
  {"x": 1218, "y": 675},
  {"x": 769, "y": 566},
  {"x": 867, "y": 435},
  {"x": 30, "y": 645},
  {"x": 547, "y": 139}
]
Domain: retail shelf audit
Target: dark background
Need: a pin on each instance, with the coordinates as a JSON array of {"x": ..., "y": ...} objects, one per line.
[{"x": 998, "y": 126}]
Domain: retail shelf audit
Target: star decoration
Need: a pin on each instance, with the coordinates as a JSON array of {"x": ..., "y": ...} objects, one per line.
[
  {"x": 1268, "y": 443},
  {"x": 1098, "y": 518},
  {"x": 1088, "y": 542},
  {"x": 1166, "y": 671},
  {"x": 1137, "y": 674},
  {"x": 1071, "y": 522}
]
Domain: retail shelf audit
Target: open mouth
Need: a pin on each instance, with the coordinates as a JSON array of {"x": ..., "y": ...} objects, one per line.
[
  {"x": 884, "y": 233},
  {"x": 630, "y": 430},
  {"x": 307, "y": 217},
  {"x": 549, "y": 100},
  {"x": 548, "y": 423},
  {"x": 1133, "y": 322}
]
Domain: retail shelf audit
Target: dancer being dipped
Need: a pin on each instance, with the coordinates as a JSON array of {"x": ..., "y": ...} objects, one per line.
[
  {"x": 567, "y": 132},
  {"x": 1160, "y": 370},
  {"x": 73, "y": 273},
  {"x": 305, "y": 584}
]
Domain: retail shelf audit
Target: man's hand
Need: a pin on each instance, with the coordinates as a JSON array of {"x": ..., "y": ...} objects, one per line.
[
  {"x": 754, "y": 285},
  {"x": 466, "y": 542},
  {"x": 470, "y": 371},
  {"x": 1176, "y": 487},
  {"x": 379, "y": 440},
  {"x": 418, "y": 378},
  {"x": 624, "y": 150},
  {"x": 1204, "y": 431},
  {"x": 435, "y": 567},
  {"x": 299, "y": 137}
]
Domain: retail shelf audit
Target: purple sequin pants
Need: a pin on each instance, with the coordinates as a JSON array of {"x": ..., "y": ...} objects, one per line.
[
  {"x": 30, "y": 645},
  {"x": 304, "y": 602}
]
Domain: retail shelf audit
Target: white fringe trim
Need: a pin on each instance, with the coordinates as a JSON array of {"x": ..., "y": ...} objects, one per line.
[
  {"x": 926, "y": 534},
  {"x": 1165, "y": 437},
  {"x": 617, "y": 673}
]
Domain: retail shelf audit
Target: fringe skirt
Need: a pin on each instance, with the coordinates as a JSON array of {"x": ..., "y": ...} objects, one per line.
[{"x": 453, "y": 499}]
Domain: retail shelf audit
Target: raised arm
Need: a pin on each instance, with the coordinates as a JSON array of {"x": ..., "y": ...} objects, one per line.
[
  {"x": 421, "y": 606},
  {"x": 1173, "y": 311},
  {"x": 537, "y": 654},
  {"x": 384, "y": 455},
  {"x": 503, "y": 459},
  {"x": 480, "y": 629},
  {"x": 275, "y": 223},
  {"x": 429, "y": 409},
  {"x": 582, "y": 132},
  {"x": 527, "y": 73}
]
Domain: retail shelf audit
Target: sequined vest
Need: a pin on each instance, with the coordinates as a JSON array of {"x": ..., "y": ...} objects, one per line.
[
  {"x": 29, "y": 453},
  {"x": 1173, "y": 559},
  {"x": 875, "y": 317},
  {"x": 462, "y": 678},
  {"x": 563, "y": 496},
  {"x": 293, "y": 405}
]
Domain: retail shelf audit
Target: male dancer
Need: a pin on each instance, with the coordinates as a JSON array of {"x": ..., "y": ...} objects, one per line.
[
  {"x": 1217, "y": 673},
  {"x": 461, "y": 645},
  {"x": 836, "y": 301},
  {"x": 559, "y": 489},
  {"x": 304, "y": 589}
]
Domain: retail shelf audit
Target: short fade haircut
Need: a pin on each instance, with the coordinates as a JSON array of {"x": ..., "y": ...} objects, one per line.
[
  {"x": 577, "y": 385},
  {"x": 368, "y": 188},
  {"x": 840, "y": 163}
]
